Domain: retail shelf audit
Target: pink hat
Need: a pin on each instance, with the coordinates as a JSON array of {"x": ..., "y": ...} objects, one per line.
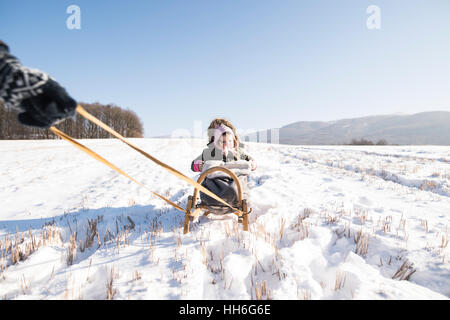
[{"x": 218, "y": 132}]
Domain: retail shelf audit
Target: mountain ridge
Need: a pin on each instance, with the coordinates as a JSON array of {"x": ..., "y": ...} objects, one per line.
[{"x": 429, "y": 128}]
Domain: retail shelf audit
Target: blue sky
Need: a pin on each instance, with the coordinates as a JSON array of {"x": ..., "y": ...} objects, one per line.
[{"x": 259, "y": 63}]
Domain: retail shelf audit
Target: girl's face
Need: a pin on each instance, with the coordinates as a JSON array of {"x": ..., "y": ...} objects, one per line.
[{"x": 226, "y": 141}]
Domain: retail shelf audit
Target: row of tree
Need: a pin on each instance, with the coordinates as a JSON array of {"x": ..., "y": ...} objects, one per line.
[
  {"x": 125, "y": 122},
  {"x": 366, "y": 142}
]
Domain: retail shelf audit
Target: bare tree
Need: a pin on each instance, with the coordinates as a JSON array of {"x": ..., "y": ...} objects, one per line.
[{"x": 126, "y": 122}]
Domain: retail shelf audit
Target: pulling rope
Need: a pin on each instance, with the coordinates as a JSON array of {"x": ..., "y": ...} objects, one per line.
[
  {"x": 93, "y": 119},
  {"x": 96, "y": 156}
]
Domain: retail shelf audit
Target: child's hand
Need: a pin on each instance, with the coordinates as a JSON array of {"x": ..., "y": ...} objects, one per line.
[
  {"x": 253, "y": 165},
  {"x": 197, "y": 166}
]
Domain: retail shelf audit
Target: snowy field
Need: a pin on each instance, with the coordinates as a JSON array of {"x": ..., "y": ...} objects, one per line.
[{"x": 328, "y": 222}]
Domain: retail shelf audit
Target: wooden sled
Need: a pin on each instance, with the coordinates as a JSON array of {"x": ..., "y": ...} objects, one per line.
[{"x": 193, "y": 209}]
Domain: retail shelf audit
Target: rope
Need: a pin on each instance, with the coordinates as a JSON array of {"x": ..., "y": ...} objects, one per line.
[
  {"x": 173, "y": 171},
  {"x": 109, "y": 164},
  {"x": 195, "y": 184}
]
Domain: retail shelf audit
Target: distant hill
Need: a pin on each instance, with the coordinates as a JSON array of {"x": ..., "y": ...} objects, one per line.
[{"x": 426, "y": 128}]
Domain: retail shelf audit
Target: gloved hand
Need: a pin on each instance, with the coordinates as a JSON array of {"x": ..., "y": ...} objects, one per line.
[
  {"x": 47, "y": 108},
  {"x": 253, "y": 165},
  {"x": 40, "y": 99},
  {"x": 197, "y": 165}
]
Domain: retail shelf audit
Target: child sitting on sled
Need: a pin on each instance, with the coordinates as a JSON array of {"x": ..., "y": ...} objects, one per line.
[
  {"x": 223, "y": 149},
  {"x": 224, "y": 145}
]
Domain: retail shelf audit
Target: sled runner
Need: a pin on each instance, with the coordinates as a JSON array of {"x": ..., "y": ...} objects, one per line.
[{"x": 229, "y": 181}]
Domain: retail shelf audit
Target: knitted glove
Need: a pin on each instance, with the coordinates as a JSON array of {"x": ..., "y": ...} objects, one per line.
[{"x": 41, "y": 100}]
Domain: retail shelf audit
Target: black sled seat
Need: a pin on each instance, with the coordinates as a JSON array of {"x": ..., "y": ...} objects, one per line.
[{"x": 226, "y": 184}]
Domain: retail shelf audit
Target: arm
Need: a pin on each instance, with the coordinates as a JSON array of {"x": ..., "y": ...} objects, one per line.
[
  {"x": 247, "y": 157},
  {"x": 3, "y": 46},
  {"x": 40, "y": 100}
]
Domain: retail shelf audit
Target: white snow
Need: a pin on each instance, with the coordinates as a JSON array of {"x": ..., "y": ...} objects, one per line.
[{"x": 328, "y": 222}]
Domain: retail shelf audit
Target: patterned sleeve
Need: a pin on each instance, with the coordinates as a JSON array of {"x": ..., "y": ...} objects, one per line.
[
  {"x": 3, "y": 46},
  {"x": 245, "y": 156},
  {"x": 16, "y": 81},
  {"x": 242, "y": 154}
]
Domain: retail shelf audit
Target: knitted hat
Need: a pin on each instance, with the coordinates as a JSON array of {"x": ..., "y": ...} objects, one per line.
[
  {"x": 217, "y": 122},
  {"x": 219, "y": 131}
]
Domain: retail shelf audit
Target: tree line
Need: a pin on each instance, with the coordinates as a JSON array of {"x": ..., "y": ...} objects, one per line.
[
  {"x": 125, "y": 122},
  {"x": 366, "y": 142}
]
